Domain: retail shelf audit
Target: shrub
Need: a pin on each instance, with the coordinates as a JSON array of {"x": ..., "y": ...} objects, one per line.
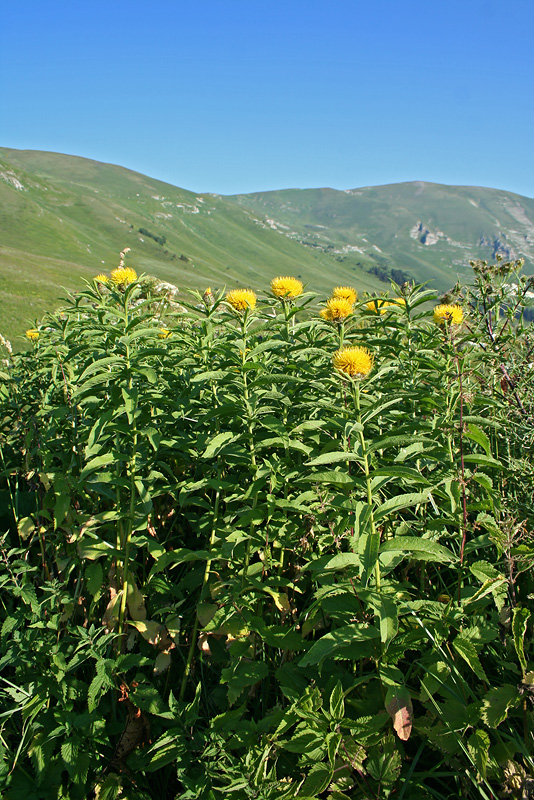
[{"x": 233, "y": 568}]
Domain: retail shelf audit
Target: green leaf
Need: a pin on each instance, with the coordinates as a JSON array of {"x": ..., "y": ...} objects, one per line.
[
  {"x": 331, "y": 643},
  {"x": 94, "y": 577},
  {"x": 484, "y": 461},
  {"x": 401, "y": 501},
  {"x": 467, "y": 650},
  {"x": 496, "y": 704},
  {"x": 478, "y": 745},
  {"x": 319, "y": 777},
  {"x": 335, "y": 457},
  {"x": 370, "y": 555},
  {"x": 384, "y": 762},
  {"x": 218, "y": 442},
  {"x": 386, "y": 608},
  {"x": 96, "y": 463},
  {"x": 418, "y": 548},
  {"x": 333, "y": 477},
  {"x": 477, "y": 435},
  {"x": 337, "y": 702},
  {"x": 520, "y": 621},
  {"x": 214, "y": 375}
]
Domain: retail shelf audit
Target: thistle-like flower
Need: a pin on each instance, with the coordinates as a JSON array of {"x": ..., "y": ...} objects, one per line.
[
  {"x": 241, "y": 299},
  {"x": 32, "y": 334},
  {"x": 164, "y": 333},
  {"x": 208, "y": 296},
  {"x": 453, "y": 315},
  {"x": 286, "y": 287},
  {"x": 337, "y": 309},
  {"x": 345, "y": 293},
  {"x": 123, "y": 276},
  {"x": 354, "y": 361},
  {"x": 101, "y": 278},
  {"x": 379, "y": 305}
]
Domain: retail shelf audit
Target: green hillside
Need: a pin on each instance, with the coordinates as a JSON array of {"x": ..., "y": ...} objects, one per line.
[
  {"x": 429, "y": 230},
  {"x": 64, "y": 217}
]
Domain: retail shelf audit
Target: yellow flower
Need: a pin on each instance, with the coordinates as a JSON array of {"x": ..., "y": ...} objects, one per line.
[
  {"x": 240, "y": 299},
  {"x": 354, "y": 361},
  {"x": 32, "y": 334},
  {"x": 337, "y": 309},
  {"x": 345, "y": 293},
  {"x": 164, "y": 333},
  {"x": 398, "y": 301},
  {"x": 379, "y": 305},
  {"x": 208, "y": 297},
  {"x": 101, "y": 278},
  {"x": 454, "y": 315},
  {"x": 286, "y": 287},
  {"x": 123, "y": 276}
]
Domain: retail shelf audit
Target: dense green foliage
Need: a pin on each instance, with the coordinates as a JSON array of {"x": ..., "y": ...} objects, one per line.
[{"x": 231, "y": 570}]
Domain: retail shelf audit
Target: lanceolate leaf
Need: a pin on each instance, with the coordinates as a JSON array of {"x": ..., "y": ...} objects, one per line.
[
  {"x": 418, "y": 548},
  {"x": 399, "y": 707},
  {"x": 520, "y": 620},
  {"x": 336, "y": 640}
]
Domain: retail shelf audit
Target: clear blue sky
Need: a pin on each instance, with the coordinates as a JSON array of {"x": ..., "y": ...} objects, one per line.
[{"x": 236, "y": 96}]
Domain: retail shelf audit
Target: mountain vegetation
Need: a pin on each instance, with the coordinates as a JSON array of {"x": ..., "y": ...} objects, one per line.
[{"x": 64, "y": 217}]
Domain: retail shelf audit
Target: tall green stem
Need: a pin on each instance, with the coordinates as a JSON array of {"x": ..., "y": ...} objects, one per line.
[{"x": 374, "y": 533}]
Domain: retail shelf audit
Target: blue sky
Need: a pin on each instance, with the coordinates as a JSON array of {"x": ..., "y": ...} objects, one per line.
[{"x": 231, "y": 96}]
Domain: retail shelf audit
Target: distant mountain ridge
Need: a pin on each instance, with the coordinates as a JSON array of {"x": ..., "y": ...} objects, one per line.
[
  {"x": 430, "y": 230},
  {"x": 63, "y": 218}
]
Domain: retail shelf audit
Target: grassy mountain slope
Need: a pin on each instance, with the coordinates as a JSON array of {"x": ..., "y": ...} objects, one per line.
[
  {"x": 426, "y": 229},
  {"x": 63, "y": 217}
]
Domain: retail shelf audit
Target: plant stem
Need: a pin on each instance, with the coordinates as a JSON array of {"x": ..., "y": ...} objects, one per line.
[{"x": 374, "y": 533}]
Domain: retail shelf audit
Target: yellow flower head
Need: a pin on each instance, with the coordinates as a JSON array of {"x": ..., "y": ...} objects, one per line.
[
  {"x": 240, "y": 299},
  {"x": 101, "y": 278},
  {"x": 32, "y": 334},
  {"x": 379, "y": 305},
  {"x": 345, "y": 293},
  {"x": 354, "y": 361},
  {"x": 454, "y": 315},
  {"x": 164, "y": 333},
  {"x": 123, "y": 276},
  {"x": 286, "y": 287},
  {"x": 398, "y": 301},
  {"x": 337, "y": 309}
]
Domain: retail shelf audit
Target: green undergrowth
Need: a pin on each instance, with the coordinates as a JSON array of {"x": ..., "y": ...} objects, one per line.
[{"x": 231, "y": 570}]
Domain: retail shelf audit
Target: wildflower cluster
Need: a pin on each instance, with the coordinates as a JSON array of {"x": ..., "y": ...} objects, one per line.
[{"x": 340, "y": 305}]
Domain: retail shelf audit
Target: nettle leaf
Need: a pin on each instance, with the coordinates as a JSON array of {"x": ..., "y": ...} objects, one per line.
[
  {"x": 496, "y": 704},
  {"x": 384, "y": 762},
  {"x": 467, "y": 650},
  {"x": 477, "y": 435},
  {"x": 520, "y": 621},
  {"x": 331, "y": 643},
  {"x": 319, "y": 777},
  {"x": 94, "y": 576},
  {"x": 478, "y": 745},
  {"x": 399, "y": 707}
]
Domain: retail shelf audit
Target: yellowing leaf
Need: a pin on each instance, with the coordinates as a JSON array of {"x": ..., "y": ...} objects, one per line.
[{"x": 399, "y": 707}]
